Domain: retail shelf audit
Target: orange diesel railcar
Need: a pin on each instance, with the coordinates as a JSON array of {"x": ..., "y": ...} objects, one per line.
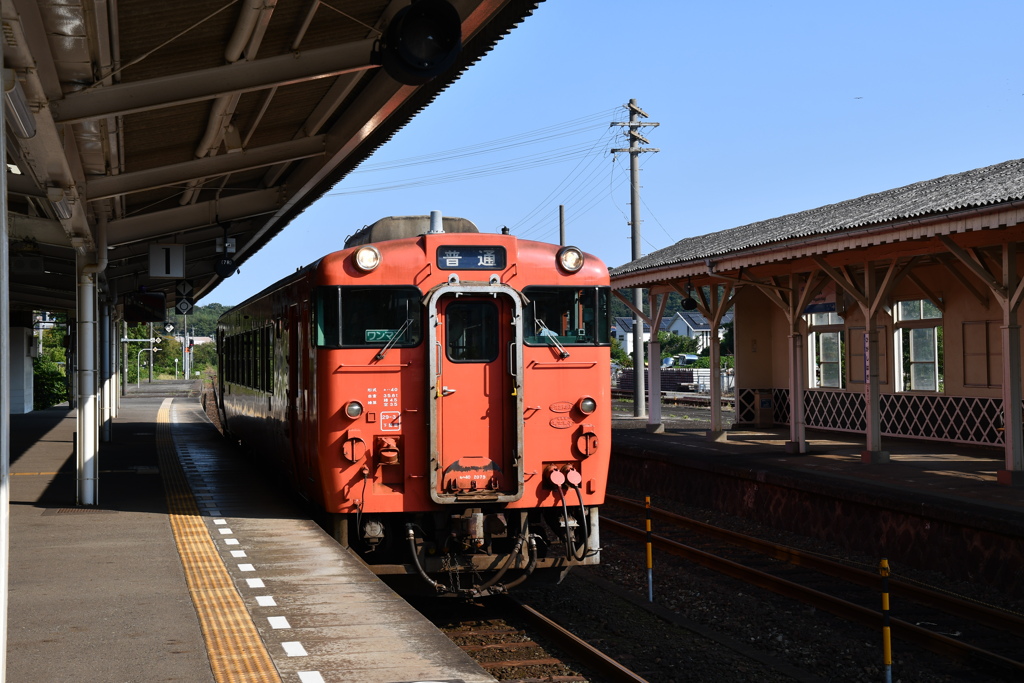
[{"x": 441, "y": 393}]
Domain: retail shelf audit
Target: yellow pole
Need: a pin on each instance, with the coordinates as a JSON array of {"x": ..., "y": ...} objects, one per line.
[
  {"x": 883, "y": 569},
  {"x": 650, "y": 554}
]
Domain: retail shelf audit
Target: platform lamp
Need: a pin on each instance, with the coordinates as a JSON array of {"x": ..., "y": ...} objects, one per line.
[
  {"x": 689, "y": 303},
  {"x": 19, "y": 114},
  {"x": 59, "y": 201}
]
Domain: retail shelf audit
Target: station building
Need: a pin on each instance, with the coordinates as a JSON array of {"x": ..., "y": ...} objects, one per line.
[{"x": 894, "y": 314}]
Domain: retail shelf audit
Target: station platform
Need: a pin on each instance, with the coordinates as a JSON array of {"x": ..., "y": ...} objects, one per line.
[
  {"x": 935, "y": 505},
  {"x": 191, "y": 568}
]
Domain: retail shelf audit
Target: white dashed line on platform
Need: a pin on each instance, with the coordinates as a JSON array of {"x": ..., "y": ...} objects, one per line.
[{"x": 279, "y": 622}]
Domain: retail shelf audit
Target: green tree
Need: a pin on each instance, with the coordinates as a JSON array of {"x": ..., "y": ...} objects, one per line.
[
  {"x": 204, "y": 357},
  {"x": 49, "y": 379},
  {"x": 620, "y": 356},
  {"x": 673, "y": 344}
]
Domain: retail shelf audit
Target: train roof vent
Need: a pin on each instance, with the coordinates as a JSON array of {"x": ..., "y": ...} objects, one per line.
[{"x": 401, "y": 227}]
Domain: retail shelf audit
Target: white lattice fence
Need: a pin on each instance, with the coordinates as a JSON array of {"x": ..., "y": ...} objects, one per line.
[{"x": 942, "y": 418}]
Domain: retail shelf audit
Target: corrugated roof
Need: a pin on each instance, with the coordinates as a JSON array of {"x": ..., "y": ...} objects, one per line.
[{"x": 980, "y": 187}]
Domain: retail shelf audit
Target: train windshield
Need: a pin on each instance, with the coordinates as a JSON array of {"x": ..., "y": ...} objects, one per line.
[
  {"x": 573, "y": 316},
  {"x": 371, "y": 317}
]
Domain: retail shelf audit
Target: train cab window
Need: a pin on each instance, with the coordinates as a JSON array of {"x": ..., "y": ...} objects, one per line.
[
  {"x": 471, "y": 332},
  {"x": 368, "y": 317},
  {"x": 574, "y": 316}
]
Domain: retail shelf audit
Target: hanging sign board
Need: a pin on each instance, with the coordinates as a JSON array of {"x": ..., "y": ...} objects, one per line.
[
  {"x": 824, "y": 301},
  {"x": 167, "y": 260}
]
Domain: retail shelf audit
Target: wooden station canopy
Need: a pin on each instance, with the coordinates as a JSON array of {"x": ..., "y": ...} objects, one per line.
[
  {"x": 955, "y": 237},
  {"x": 134, "y": 122}
]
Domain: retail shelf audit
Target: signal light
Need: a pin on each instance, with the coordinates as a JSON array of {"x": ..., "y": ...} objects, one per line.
[
  {"x": 354, "y": 409},
  {"x": 420, "y": 42}
]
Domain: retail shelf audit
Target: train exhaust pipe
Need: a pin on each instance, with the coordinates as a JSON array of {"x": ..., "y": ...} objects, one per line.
[{"x": 436, "y": 224}]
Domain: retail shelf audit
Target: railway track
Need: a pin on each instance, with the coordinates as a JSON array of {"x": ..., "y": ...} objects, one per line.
[
  {"x": 517, "y": 644},
  {"x": 938, "y": 622}
]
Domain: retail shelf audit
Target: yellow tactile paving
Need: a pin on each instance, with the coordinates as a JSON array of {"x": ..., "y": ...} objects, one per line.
[{"x": 236, "y": 651}]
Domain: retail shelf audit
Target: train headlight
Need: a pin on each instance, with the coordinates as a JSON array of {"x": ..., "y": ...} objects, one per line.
[
  {"x": 367, "y": 258},
  {"x": 570, "y": 258},
  {"x": 353, "y": 409},
  {"x": 587, "y": 405}
]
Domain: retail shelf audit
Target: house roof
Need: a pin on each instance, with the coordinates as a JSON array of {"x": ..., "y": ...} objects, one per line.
[{"x": 980, "y": 187}]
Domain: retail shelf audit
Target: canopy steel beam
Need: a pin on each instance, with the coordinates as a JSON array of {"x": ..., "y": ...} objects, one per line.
[
  {"x": 207, "y": 167},
  {"x": 204, "y": 84}
]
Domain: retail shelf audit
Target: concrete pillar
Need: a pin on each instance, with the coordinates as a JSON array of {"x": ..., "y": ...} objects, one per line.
[
  {"x": 105, "y": 386},
  {"x": 87, "y": 437},
  {"x": 1013, "y": 475},
  {"x": 797, "y": 431},
  {"x": 872, "y": 452},
  {"x": 21, "y": 370},
  {"x": 654, "y": 424}
]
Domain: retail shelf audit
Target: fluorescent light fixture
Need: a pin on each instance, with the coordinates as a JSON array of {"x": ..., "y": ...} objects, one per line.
[
  {"x": 16, "y": 106},
  {"x": 59, "y": 200}
]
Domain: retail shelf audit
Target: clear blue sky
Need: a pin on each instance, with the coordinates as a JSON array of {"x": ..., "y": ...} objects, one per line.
[{"x": 765, "y": 109}]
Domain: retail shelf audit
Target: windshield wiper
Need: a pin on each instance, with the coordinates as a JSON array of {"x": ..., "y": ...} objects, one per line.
[
  {"x": 550, "y": 336},
  {"x": 394, "y": 340}
]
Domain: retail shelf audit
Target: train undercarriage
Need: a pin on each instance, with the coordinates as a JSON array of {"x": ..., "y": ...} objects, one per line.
[{"x": 475, "y": 552}]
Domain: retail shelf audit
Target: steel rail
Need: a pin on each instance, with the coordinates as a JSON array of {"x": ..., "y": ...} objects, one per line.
[
  {"x": 934, "y": 642},
  {"x": 587, "y": 655},
  {"x": 980, "y": 613}
]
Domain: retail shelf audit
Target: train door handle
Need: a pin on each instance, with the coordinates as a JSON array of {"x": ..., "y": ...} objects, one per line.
[{"x": 445, "y": 391}]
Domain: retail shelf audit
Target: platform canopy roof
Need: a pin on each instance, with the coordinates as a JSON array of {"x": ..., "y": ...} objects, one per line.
[
  {"x": 865, "y": 225},
  {"x": 136, "y": 122}
]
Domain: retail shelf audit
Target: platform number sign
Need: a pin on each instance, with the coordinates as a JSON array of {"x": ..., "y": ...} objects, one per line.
[{"x": 167, "y": 260}]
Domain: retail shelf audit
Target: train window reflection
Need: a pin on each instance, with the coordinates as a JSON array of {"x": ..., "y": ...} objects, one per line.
[
  {"x": 574, "y": 316},
  {"x": 368, "y": 317}
]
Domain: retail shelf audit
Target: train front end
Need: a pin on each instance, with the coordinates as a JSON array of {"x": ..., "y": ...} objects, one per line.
[{"x": 465, "y": 407}]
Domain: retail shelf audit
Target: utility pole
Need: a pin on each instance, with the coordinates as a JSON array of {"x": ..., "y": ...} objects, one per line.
[
  {"x": 634, "y": 150},
  {"x": 561, "y": 224}
]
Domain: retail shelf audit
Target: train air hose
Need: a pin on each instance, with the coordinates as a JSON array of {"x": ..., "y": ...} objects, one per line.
[
  {"x": 570, "y": 547},
  {"x": 484, "y": 589}
]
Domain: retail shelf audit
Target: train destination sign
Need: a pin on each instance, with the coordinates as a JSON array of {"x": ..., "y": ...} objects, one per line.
[
  {"x": 374, "y": 336},
  {"x": 458, "y": 257}
]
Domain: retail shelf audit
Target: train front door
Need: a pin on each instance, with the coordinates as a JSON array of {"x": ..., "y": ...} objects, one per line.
[{"x": 474, "y": 396}]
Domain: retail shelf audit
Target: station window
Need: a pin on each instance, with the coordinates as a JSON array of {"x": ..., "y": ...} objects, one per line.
[
  {"x": 825, "y": 350},
  {"x": 574, "y": 316},
  {"x": 918, "y": 342}
]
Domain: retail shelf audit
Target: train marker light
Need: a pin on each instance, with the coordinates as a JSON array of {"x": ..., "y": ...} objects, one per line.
[
  {"x": 587, "y": 405},
  {"x": 367, "y": 258},
  {"x": 354, "y": 409},
  {"x": 570, "y": 258}
]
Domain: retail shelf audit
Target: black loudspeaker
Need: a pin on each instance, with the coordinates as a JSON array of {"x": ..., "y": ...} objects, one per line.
[
  {"x": 420, "y": 42},
  {"x": 689, "y": 304}
]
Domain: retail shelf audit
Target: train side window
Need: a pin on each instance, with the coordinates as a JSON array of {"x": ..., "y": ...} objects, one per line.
[
  {"x": 575, "y": 316},
  {"x": 268, "y": 359},
  {"x": 472, "y": 331},
  {"x": 368, "y": 317}
]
